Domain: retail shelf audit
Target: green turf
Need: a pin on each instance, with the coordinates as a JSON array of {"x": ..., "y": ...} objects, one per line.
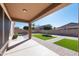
[
  {"x": 68, "y": 43},
  {"x": 43, "y": 37}
]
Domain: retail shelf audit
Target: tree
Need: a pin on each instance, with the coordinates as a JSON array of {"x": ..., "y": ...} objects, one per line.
[
  {"x": 54, "y": 28},
  {"x": 25, "y": 27},
  {"x": 47, "y": 27},
  {"x": 33, "y": 26}
]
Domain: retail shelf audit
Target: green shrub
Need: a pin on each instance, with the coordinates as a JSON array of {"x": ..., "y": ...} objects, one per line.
[{"x": 15, "y": 36}]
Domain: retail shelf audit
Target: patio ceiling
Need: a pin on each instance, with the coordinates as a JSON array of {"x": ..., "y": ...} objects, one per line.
[{"x": 27, "y": 12}]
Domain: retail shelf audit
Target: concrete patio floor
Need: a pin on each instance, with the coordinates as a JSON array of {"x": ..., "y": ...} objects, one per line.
[{"x": 28, "y": 48}]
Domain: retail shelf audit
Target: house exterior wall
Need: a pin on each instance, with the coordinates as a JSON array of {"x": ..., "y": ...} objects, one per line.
[
  {"x": 5, "y": 26},
  {"x": 1, "y": 27}
]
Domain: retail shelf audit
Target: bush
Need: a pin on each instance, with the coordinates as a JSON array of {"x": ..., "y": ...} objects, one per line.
[
  {"x": 15, "y": 36},
  {"x": 46, "y": 35},
  {"x": 25, "y": 27}
]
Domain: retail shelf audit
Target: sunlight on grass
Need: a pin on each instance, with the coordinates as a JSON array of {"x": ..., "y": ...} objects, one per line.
[{"x": 68, "y": 43}]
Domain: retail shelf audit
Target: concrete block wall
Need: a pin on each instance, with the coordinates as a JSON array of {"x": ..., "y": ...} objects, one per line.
[{"x": 67, "y": 32}]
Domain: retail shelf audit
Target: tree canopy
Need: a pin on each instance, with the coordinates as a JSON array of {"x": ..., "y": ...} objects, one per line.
[
  {"x": 25, "y": 27},
  {"x": 47, "y": 27}
]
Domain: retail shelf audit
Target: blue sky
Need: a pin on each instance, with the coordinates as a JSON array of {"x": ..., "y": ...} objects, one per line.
[{"x": 64, "y": 16}]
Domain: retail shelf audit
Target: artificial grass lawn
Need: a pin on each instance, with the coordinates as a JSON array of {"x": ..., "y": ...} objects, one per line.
[
  {"x": 68, "y": 43},
  {"x": 43, "y": 37}
]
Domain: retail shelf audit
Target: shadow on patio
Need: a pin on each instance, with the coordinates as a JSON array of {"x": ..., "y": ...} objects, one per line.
[
  {"x": 17, "y": 44},
  {"x": 28, "y": 48}
]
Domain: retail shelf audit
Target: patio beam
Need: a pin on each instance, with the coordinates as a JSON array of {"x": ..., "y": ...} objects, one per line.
[
  {"x": 51, "y": 6},
  {"x": 50, "y": 9},
  {"x": 30, "y": 31}
]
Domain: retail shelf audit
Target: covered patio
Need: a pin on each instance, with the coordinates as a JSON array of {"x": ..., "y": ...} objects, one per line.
[{"x": 29, "y": 13}]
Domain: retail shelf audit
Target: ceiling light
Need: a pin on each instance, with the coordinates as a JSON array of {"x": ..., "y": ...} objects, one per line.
[{"x": 24, "y": 10}]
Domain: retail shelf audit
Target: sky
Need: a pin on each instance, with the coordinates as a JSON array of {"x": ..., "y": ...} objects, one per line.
[{"x": 59, "y": 18}]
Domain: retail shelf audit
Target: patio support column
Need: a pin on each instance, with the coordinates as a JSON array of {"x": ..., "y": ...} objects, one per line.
[
  {"x": 30, "y": 30},
  {"x": 78, "y": 31}
]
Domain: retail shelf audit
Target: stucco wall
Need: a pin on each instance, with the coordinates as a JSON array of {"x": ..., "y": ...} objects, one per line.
[
  {"x": 1, "y": 27},
  {"x": 5, "y": 25}
]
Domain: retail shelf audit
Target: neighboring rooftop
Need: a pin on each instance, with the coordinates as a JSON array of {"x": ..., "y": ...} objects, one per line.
[{"x": 69, "y": 25}]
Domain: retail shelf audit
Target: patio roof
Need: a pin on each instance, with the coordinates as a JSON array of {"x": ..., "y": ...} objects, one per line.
[{"x": 27, "y": 12}]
